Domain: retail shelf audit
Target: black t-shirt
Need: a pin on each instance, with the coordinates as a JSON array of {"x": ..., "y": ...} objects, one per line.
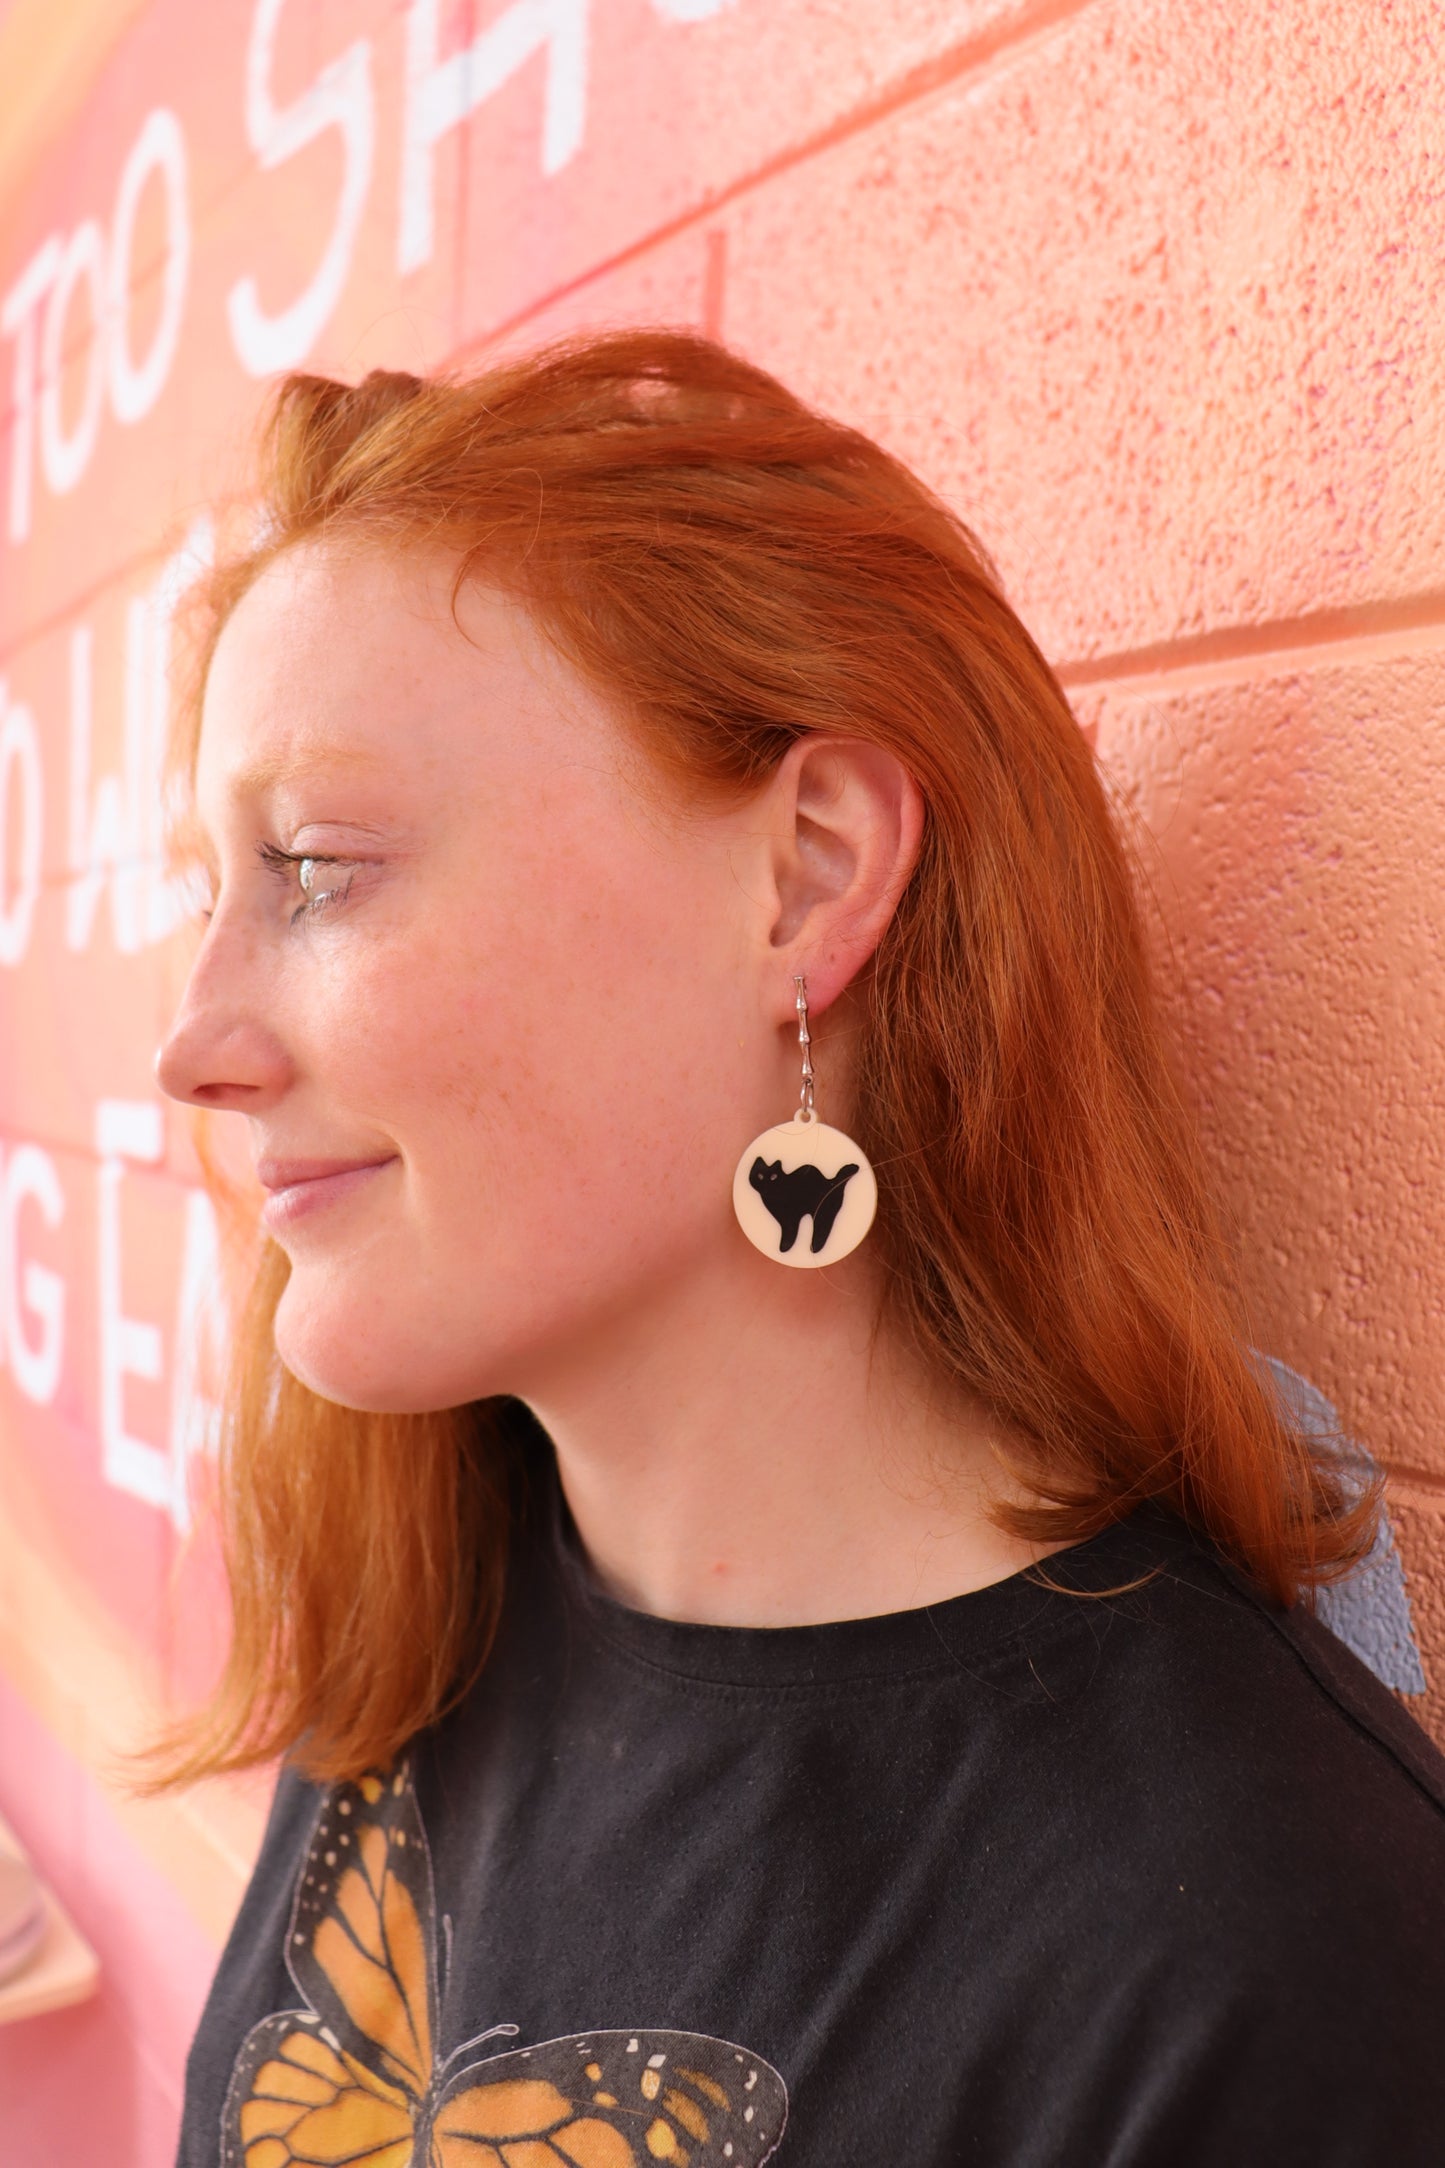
[{"x": 1125, "y": 1870}]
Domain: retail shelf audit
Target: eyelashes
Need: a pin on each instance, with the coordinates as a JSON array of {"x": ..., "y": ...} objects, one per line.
[
  {"x": 320, "y": 889},
  {"x": 305, "y": 866}
]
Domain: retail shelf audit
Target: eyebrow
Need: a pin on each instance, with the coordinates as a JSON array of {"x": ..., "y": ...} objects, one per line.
[
  {"x": 190, "y": 839},
  {"x": 259, "y": 776}
]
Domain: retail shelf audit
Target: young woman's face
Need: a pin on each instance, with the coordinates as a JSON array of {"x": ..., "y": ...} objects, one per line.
[{"x": 489, "y": 999}]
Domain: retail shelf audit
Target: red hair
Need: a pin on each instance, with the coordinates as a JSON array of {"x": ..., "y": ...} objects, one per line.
[{"x": 734, "y": 569}]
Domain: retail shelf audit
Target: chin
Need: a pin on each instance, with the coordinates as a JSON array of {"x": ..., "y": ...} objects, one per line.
[
  {"x": 336, "y": 1360},
  {"x": 331, "y": 1349},
  {"x": 370, "y": 1391},
  {"x": 337, "y": 1381}
]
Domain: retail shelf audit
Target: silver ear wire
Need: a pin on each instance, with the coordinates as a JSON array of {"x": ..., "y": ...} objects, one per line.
[
  {"x": 807, "y": 1112},
  {"x": 803, "y": 1173}
]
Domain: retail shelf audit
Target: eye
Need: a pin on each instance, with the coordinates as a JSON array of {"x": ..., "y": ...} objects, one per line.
[{"x": 323, "y": 881}]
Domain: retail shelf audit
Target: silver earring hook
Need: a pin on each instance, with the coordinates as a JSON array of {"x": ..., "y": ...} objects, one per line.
[{"x": 807, "y": 1112}]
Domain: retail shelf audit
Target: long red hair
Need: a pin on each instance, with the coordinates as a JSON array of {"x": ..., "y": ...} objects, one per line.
[{"x": 735, "y": 569}]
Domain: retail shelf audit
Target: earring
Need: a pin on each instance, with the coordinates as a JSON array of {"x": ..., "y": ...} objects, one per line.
[{"x": 803, "y": 1170}]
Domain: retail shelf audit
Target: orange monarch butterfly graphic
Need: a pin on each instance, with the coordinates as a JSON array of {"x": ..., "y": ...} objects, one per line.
[{"x": 352, "y": 2080}]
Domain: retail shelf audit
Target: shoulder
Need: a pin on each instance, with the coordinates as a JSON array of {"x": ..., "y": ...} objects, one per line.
[
  {"x": 1246, "y": 1750},
  {"x": 1240, "y": 1852},
  {"x": 1202, "y": 1660},
  {"x": 251, "y": 1978}
]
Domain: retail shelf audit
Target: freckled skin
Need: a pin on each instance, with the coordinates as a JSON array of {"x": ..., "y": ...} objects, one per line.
[
  {"x": 545, "y": 1002},
  {"x": 499, "y": 999}
]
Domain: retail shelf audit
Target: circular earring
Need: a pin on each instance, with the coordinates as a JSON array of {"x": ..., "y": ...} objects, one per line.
[{"x": 803, "y": 1170}]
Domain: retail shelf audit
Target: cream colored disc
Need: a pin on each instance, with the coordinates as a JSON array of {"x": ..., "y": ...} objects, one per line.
[{"x": 804, "y": 1194}]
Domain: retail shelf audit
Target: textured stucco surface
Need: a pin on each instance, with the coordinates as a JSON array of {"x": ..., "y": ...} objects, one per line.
[
  {"x": 1292, "y": 831},
  {"x": 1420, "y": 1530},
  {"x": 1147, "y": 300},
  {"x": 1149, "y": 289}
]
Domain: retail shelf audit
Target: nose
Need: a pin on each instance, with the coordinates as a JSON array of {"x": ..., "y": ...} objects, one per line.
[{"x": 222, "y": 1050}]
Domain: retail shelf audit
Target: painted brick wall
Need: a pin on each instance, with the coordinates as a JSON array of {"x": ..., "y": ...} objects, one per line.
[{"x": 1146, "y": 287}]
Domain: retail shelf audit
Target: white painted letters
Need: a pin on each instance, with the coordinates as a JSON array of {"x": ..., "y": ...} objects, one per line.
[
  {"x": 21, "y": 817},
  {"x": 132, "y": 1131},
  {"x": 53, "y": 280},
  {"x": 160, "y": 148},
  {"x": 116, "y": 824},
  {"x": 125, "y": 1130},
  {"x": 31, "y": 1292},
  {"x": 65, "y": 457},
  {"x": 18, "y": 314},
  {"x": 102, "y": 831},
  {"x": 438, "y": 95},
  {"x": 341, "y": 97}
]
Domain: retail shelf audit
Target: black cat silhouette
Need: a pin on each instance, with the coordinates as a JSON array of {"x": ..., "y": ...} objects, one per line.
[{"x": 804, "y": 1193}]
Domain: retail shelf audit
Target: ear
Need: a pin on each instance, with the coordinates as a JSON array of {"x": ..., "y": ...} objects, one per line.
[{"x": 844, "y": 829}]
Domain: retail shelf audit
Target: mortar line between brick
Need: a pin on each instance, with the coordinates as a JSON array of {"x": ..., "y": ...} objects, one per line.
[
  {"x": 86, "y": 1156},
  {"x": 1366, "y": 631},
  {"x": 1413, "y": 1486},
  {"x": 970, "y": 57},
  {"x": 116, "y": 577}
]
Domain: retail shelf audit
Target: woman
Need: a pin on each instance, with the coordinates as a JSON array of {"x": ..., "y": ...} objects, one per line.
[{"x": 868, "y": 1714}]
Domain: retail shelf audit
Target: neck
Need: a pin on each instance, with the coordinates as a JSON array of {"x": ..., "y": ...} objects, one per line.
[{"x": 751, "y": 1450}]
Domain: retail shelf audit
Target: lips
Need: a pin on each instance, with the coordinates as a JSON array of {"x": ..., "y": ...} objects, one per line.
[
  {"x": 299, "y": 1187},
  {"x": 275, "y": 1174}
]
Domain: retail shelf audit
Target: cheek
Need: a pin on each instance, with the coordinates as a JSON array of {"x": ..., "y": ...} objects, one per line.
[
  {"x": 577, "y": 1080},
  {"x": 569, "y": 1094},
  {"x": 566, "y": 1097},
  {"x": 545, "y": 1187}
]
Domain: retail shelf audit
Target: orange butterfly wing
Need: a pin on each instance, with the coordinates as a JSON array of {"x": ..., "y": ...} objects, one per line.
[
  {"x": 612, "y": 2100},
  {"x": 363, "y": 1930},
  {"x": 297, "y": 2101},
  {"x": 350, "y": 2081},
  {"x": 344, "y": 2080}
]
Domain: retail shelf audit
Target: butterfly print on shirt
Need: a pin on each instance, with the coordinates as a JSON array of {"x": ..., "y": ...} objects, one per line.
[{"x": 352, "y": 2079}]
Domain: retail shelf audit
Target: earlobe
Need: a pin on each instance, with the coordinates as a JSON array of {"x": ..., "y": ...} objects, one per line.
[{"x": 846, "y": 840}]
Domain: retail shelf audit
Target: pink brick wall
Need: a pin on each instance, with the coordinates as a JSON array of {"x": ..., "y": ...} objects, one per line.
[
  {"x": 1146, "y": 287},
  {"x": 99, "y": 2083}
]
